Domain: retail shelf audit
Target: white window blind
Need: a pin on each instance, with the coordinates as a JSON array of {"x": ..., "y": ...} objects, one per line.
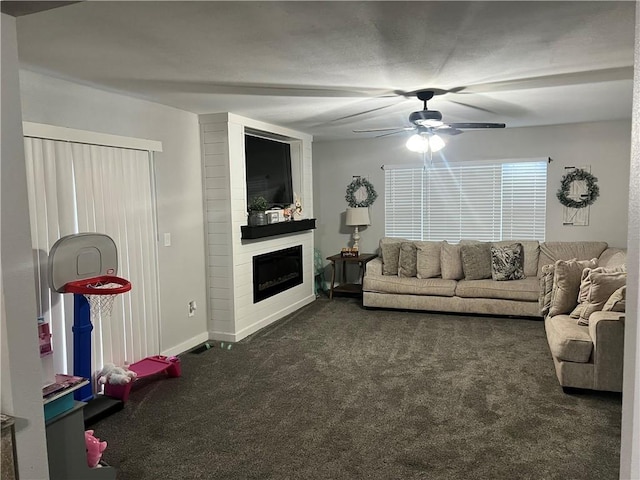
[
  {"x": 404, "y": 197},
  {"x": 480, "y": 201},
  {"x": 74, "y": 188}
]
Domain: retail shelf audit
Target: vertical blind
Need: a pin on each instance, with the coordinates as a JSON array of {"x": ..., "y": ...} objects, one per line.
[
  {"x": 75, "y": 188},
  {"x": 480, "y": 201}
]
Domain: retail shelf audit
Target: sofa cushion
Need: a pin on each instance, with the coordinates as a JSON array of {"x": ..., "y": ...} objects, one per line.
[
  {"x": 390, "y": 250},
  {"x": 451, "y": 261},
  {"x": 412, "y": 286},
  {"x": 507, "y": 263},
  {"x": 613, "y": 257},
  {"x": 523, "y": 290},
  {"x": 566, "y": 284},
  {"x": 617, "y": 301},
  {"x": 603, "y": 285},
  {"x": 476, "y": 261},
  {"x": 550, "y": 252},
  {"x": 531, "y": 252},
  {"x": 567, "y": 340},
  {"x": 407, "y": 261},
  {"x": 428, "y": 262}
]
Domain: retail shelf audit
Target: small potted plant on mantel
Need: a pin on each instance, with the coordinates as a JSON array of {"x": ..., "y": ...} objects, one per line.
[{"x": 257, "y": 207}]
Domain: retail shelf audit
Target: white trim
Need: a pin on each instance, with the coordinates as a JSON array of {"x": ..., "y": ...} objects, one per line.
[
  {"x": 245, "y": 332},
  {"x": 186, "y": 345},
  {"x": 441, "y": 162},
  {"x": 52, "y": 132}
]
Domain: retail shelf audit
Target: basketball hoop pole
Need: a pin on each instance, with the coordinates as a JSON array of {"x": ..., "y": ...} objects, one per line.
[
  {"x": 88, "y": 294},
  {"x": 82, "y": 328}
]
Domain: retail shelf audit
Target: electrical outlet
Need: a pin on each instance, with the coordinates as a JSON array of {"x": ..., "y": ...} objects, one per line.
[{"x": 191, "y": 308}]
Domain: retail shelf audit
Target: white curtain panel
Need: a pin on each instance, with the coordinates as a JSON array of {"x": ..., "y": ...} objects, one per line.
[{"x": 77, "y": 188}]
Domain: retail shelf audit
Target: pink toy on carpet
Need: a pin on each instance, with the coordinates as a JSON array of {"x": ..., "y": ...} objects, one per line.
[{"x": 144, "y": 368}]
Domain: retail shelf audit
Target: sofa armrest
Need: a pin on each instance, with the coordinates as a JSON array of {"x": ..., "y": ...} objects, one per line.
[
  {"x": 374, "y": 267},
  {"x": 607, "y": 332}
]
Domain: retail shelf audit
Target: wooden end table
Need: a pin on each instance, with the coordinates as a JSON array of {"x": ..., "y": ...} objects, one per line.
[{"x": 344, "y": 287}]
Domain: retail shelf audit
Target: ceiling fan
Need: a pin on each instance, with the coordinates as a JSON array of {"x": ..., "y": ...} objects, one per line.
[{"x": 428, "y": 125}]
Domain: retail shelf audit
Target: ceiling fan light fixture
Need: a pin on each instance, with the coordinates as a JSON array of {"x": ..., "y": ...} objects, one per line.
[
  {"x": 430, "y": 123},
  {"x": 436, "y": 143},
  {"x": 418, "y": 143}
]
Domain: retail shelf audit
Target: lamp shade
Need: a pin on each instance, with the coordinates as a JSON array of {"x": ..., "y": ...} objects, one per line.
[{"x": 358, "y": 216}]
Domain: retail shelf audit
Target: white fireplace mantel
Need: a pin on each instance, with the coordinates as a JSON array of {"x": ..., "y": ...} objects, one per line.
[{"x": 232, "y": 315}]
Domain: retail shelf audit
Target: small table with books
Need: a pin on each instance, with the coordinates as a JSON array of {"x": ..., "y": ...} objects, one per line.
[{"x": 344, "y": 287}]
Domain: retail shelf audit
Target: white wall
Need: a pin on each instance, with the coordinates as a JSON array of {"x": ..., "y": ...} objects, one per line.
[
  {"x": 630, "y": 443},
  {"x": 179, "y": 185},
  {"x": 21, "y": 394},
  {"x": 605, "y": 146}
]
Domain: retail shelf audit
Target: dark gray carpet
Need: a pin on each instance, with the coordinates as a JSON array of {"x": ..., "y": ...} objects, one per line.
[{"x": 338, "y": 392}]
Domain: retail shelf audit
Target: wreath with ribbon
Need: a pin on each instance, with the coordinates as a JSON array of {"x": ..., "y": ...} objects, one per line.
[
  {"x": 587, "y": 199},
  {"x": 354, "y": 186}
]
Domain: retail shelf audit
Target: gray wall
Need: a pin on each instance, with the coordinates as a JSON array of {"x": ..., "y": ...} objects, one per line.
[
  {"x": 605, "y": 146},
  {"x": 179, "y": 185}
]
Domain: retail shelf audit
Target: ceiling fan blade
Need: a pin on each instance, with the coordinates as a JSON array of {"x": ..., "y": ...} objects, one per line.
[
  {"x": 476, "y": 125},
  {"x": 384, "y": 129},
  {"x": 390, "y": 133},
  {"x": 447, "y": 131}
]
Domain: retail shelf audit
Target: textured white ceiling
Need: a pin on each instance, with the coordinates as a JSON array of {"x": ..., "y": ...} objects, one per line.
[{"x": 308, "y": 65}]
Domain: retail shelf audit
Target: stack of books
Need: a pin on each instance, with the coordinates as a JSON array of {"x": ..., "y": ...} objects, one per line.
[{"x": 57, "y": 396}]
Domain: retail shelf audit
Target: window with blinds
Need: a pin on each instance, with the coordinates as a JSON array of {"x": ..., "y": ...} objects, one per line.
[{"x": 479, "y": 201}]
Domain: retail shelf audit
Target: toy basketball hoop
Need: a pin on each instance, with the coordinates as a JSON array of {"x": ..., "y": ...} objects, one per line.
[
  {"x": 86, "y": 265},
  {"x": 99, "y": 292}
]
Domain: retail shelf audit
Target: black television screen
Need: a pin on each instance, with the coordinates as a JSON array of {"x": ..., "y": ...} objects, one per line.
[{"x": 268, "y": 170}]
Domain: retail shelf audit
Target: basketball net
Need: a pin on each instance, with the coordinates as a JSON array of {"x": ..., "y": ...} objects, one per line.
[{"x": 101, "y": 304}]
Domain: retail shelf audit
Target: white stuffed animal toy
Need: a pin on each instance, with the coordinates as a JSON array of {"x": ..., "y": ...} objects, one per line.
[{"x": 115, "y": 375}]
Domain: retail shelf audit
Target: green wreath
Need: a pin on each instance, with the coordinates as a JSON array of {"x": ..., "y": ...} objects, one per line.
[
  {"x": 592, "y": 189},
  {"x": 354, "y": 186}
]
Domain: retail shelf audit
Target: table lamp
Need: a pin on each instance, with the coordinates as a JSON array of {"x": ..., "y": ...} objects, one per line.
[{"x": 357, "y": 216}]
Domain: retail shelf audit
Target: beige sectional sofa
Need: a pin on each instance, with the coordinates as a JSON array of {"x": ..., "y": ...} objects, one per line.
[{"x": 585, "y": 356}]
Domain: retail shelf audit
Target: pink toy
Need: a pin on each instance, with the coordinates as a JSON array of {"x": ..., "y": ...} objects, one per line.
[
  {"x": 94, "y": 449},
  {"x": 144, "y": 368},
  {"x": 115, "y": 375}
]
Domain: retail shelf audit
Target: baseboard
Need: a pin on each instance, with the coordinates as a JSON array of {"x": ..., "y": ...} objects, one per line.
[
  {"x": 245, "y": 332},
  {"x": 186, "y": 345}
]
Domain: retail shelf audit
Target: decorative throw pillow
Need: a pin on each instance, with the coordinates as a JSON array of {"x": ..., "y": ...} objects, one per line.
[
  {"x": 531, "y": 252},
  {"x": 566, "y": 284},
  {"x": 507, "y": 263},
  {"x": 428, "y": 261},
  {"x": 617, "y": 301},
  {"x": 476, "y": 261},
  {"x": 546, "y": 287},
  {"x": 451, "y": 262},
  {"x": 407, "y": 262},
  {"x": 603, "y": 285},
  {"x": 390, "y": 250},
  {"x": 585, "y": 286}
]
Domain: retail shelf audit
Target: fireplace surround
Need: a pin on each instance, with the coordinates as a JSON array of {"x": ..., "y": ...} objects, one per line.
[{"x": 231, "y": 244}]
